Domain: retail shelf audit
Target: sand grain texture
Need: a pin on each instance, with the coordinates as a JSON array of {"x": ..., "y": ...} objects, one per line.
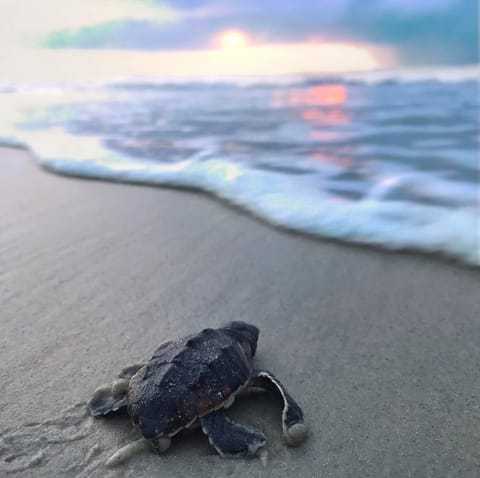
[{"x": 382, "y": 350}]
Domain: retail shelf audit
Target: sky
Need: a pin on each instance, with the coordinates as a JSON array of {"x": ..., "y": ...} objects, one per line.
[{"x": 75, "y": 38}]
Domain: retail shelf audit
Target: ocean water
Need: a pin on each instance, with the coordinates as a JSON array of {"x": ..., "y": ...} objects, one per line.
[{"x": 386, "y": 158}]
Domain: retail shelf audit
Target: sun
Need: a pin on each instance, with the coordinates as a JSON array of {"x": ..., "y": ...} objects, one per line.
[{"x": 233, "y": 39}]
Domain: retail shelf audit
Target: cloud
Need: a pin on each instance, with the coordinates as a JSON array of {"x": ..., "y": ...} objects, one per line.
[
  {"x": 424, "y": 32},
  {"x": 23, "y": 22},
  {"x": 440, "y": 31}
]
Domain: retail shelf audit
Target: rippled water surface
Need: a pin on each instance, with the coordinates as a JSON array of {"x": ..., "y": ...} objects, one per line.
[{"x": 391, "y": 161}]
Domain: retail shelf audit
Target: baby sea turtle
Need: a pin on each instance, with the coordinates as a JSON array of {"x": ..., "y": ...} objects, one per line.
[{"x": 192, "y": 381}]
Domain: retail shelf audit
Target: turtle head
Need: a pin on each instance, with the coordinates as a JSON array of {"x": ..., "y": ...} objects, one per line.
[{"x": 245, "y": 334}]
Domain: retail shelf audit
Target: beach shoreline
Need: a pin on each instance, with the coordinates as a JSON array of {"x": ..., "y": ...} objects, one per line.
[{"x": 380, "y": 348}]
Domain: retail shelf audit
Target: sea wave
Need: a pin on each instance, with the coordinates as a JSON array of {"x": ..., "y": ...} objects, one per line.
[
  {"x": 392, "y": 164},
  {"x": 468, "y": 73}
]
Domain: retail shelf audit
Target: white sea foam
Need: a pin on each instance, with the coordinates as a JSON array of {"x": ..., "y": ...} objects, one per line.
[{"x": 278, "y": 198}]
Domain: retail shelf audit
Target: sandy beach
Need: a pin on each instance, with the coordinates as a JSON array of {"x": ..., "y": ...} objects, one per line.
[{"x": 381, "y": 349}]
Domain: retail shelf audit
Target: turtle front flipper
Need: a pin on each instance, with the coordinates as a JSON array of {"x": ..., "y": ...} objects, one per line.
[
  {"x": 294, "y": 429},
  {"x": 231, "y": 439}
]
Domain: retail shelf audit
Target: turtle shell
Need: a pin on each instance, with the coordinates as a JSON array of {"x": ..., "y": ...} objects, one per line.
[{"x": 186, "y": 380}]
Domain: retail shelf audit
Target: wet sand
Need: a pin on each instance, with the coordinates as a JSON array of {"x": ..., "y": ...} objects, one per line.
[{"x": 381, "y": 349}]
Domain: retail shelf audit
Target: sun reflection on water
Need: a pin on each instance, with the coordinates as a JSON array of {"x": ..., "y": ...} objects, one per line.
[
  {"x": 320, "y": 95},
  {"x": 322, "y": 109}
]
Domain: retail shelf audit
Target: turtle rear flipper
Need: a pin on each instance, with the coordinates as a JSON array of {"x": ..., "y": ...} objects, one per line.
[
  {"x": 113, "y": 398},
  {"x": 294, "y": 429},
  {"x": 231, "y": 439},
  {"x": 108, "y": 399}
]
